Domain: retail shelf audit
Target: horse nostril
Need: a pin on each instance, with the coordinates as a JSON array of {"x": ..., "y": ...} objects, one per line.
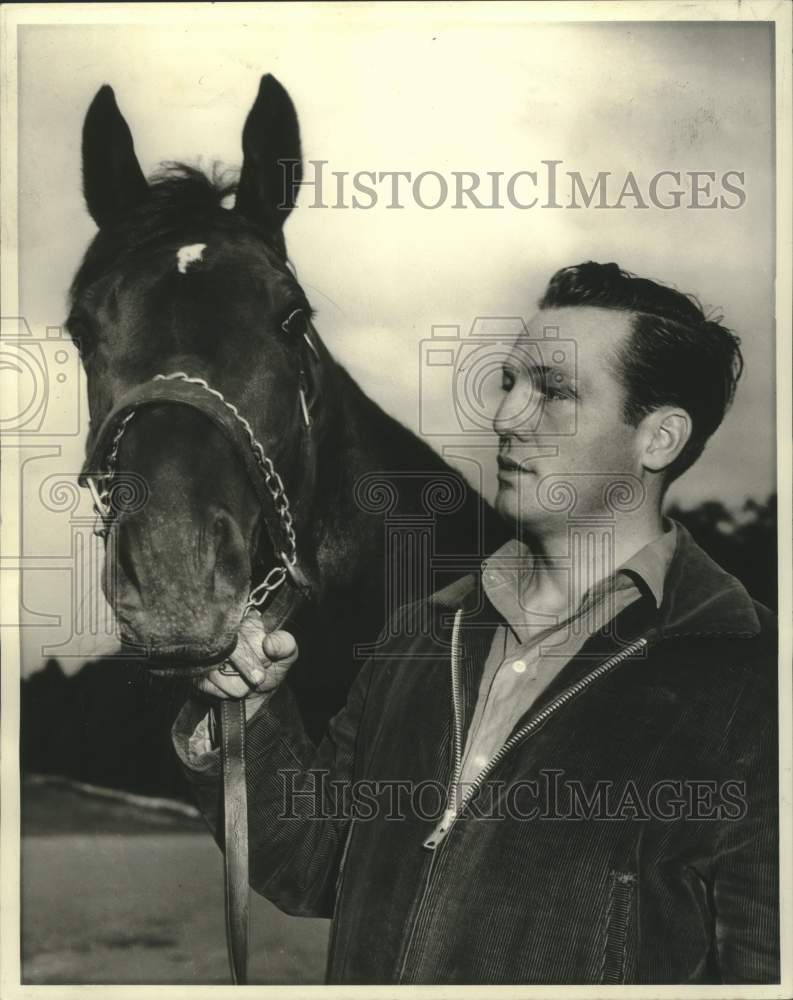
[{"x": 230, "y": 569}]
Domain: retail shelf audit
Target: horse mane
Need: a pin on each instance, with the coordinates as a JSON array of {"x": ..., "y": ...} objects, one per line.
[{"x": 180, "y": 198}]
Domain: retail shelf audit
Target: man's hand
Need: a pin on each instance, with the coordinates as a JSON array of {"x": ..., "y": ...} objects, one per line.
[{"x": 261, "y": 661}]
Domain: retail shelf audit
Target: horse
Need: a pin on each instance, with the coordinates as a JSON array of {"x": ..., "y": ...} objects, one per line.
[{"x": 261, "y": 461}]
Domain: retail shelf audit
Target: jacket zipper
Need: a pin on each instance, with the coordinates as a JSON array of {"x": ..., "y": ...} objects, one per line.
[
  {"x": 457, "y": 714},
  {"x": 623, "y": 886},
  {"x": 458, "y": 766},
  {"x": 455, "y": 808}
]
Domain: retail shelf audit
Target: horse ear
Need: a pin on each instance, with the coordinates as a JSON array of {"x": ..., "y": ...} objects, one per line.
[
  {"x": 112, "y": 179},
  {"x": 272, "y": 165}
]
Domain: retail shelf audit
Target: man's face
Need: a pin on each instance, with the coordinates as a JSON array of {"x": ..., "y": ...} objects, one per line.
[{"x": 561, "y": 416}]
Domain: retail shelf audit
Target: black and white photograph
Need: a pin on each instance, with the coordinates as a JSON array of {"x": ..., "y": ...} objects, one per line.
[{"x": 396, "y": 497}]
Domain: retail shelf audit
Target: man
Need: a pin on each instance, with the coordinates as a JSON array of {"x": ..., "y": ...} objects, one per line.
[{"x": 571, "y": 778}]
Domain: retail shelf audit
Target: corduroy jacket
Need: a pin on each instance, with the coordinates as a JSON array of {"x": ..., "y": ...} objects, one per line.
[{"x": 626, "y": 833}]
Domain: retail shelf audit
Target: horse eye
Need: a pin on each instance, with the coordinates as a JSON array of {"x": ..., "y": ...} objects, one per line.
[
  {"x": 295, "y": 323},
  {"x": 81, "y": 337}
]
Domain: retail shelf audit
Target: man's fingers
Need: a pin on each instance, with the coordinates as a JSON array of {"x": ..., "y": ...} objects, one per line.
[
  {"x": 205, "y": 686},
  {"x": 219, "y": 685},
  {"x": 260, "y": 661},
  {"x": 263, "y": 658},
  {"x": 279, "y": 646},
  {"x": 247, "y": 656}
]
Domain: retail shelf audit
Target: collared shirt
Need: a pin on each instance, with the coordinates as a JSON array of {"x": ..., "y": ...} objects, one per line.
[{"x": 529, "y": 649}]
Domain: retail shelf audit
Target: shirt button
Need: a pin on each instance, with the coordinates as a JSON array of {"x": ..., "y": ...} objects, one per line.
[
  {"x": 480, "y": 761},
  {"x": 521, "y": 667}
]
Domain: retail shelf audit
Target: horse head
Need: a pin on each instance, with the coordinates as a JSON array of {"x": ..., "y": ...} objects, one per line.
[{"x": 203, "y": 373}]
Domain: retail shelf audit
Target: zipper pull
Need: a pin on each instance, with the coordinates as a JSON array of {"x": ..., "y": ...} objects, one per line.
[{"x": 440, "y": 830}]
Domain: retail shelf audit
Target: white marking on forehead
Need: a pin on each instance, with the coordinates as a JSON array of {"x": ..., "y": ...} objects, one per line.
[{"x": 185, "y": 256}]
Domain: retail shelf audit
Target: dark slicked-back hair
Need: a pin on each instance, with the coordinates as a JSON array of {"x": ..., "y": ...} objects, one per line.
[{"x": 674, "y": 355}]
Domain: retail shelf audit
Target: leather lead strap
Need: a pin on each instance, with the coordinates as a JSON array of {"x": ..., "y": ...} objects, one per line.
[
  {"x": 235, "y": 819},
  {"x": 279, "y": 613},
  {"x": 180, "y": 388}
]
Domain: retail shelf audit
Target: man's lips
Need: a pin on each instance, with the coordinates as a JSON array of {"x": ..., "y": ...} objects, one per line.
[{"x": 507, "y": 464}]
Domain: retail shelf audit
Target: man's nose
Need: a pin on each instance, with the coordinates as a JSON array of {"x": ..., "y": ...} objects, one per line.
[
  {"x": 518, "y": 414},
  {"x": 500, "y": 422},
  {"x": 503, "y": 419}
]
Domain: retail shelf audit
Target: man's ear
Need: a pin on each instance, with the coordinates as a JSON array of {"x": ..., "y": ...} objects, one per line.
[
  {"x": 272, "y": 165},
  {"x": 664, "y": 433},
  {"x": 112, "y": 179}
]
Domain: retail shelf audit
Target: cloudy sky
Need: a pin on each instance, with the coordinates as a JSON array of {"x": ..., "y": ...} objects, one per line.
[{"x": 388, "y": 88}]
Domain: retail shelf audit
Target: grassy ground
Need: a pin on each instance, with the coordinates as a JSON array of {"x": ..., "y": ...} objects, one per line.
[{"x": 117, "y": 894}]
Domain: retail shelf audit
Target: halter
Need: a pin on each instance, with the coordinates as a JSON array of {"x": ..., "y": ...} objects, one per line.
[
  {"x": 181, "y": 388},
  {"x": 186, "y": 390}
]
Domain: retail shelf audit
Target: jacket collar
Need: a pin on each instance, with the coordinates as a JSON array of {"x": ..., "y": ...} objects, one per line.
[{"x": 700, "y": 598}]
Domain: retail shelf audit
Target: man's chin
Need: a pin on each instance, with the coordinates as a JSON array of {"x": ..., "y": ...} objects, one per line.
[{"x": 514, "y": 508}]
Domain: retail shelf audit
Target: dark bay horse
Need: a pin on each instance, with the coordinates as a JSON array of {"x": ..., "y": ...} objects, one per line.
[{"x": 174, "y": 282}]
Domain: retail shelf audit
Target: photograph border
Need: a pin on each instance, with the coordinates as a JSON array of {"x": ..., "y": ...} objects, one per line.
[{"x": 15, "y": 16}]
